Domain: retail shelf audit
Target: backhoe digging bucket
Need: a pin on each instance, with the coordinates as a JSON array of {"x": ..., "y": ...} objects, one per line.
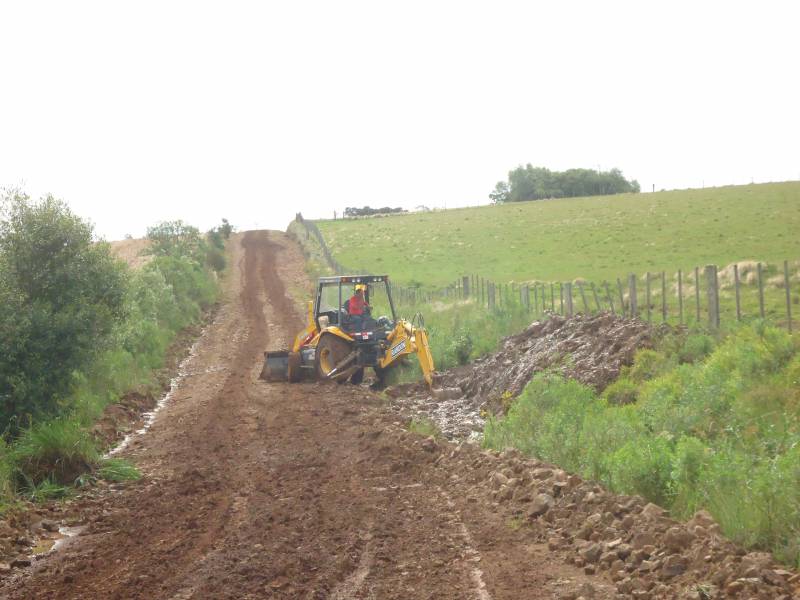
[{"x": 276, "y": 366}]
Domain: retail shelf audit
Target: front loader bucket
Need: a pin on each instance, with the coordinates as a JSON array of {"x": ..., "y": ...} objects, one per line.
[{"x": 276, "y": 366}]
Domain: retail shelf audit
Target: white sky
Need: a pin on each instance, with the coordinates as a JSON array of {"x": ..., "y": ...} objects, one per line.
[{"x": 142, "y": 111}]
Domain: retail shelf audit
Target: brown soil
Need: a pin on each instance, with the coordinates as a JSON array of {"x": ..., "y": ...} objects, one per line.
[{"x": 257, "y": 490}]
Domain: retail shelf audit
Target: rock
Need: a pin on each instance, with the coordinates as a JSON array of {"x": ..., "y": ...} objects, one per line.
[
  {"x": 642, "y": 539},
  {"x": 451, "y": 393},
  {"x": 678, "y": 539},
  {"x": 594, "y": 519},
  {"x": 756, "y": 560},
  {"x": 541, "y": 473},
  {"x": 49, "y": 525},
  {"x": 540, "y": 505},
  {"x": 555, "y": 543},
  {"x": 624, "y": 551},
  {"x": 586, "y": 590},
  {"x": 653, "y": 511},
  {"x": 702, "y": 518},
  {"x": 504, "y": 493},
  {"x": 429, "y": 444},
  {"x": 589, "y": 570},
  {"x": 673, "y": 566},
  {"x": 4, "y": 567},
  {"x": 20, "y": 562},
  {"x": 592, "y": 553},
  {"x": 734, "y": 587},
  {"x": 498, "y": 480}
]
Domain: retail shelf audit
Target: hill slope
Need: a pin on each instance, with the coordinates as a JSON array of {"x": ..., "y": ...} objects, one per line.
[{"x": 595, "y": 238}]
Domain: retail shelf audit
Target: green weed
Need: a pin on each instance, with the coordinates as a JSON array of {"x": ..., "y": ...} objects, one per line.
[
  {"x": 425, "y": 427},
  {"x": 117, "y": 469}
]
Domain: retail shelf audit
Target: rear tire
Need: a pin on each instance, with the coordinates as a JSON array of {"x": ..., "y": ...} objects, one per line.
[
  {"x": 331, "y": 350},
  {"x": 294, "y": 373}
]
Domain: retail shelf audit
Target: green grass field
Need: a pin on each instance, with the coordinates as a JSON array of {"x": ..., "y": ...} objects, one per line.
[{"x": 595, "y": 238}]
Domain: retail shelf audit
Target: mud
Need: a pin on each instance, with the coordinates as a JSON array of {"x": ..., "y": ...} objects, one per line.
[
  {"x": 591, "y": 349},
  {"x": 273, "y": 490}
]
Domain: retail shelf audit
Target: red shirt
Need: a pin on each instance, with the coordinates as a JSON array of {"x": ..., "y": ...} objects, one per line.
[{"x": 356, "y": 305}]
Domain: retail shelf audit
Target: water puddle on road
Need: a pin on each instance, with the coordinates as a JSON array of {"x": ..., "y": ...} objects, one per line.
[{"x": 55, "y": 540}]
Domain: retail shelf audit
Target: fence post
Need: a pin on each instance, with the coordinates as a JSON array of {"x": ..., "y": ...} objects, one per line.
[
  {"x": 760, "y": 290},
  {"x": 632, "y": 300},
  {"x": 465, "y": 286},
  {"x": 536, "y": 299},
  {"x": 787, "y": 284},
  {"x": 697, "y": 292},
  {"x": 552, "y": 298},
  {"x": 621, "y": 297},
  {"x": 568, "y": 296},
  {"x": 583, "y": 298},
  {"x": 647, "y": 297},
  {"x": 596, "y": 298},
  {"x": 663, "y": 297},
  {"x": 528, "y": 297},
  {"x": 680, "y": 296},
  {"x": 561, "y": 294},
  {"x": 492, "y": 295},
  {"x": 713, "y": 296},
  {"x": 610, "y": 298}
]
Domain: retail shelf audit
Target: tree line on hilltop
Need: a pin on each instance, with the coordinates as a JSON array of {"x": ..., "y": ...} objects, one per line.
[{"x": 537, "y": 183}]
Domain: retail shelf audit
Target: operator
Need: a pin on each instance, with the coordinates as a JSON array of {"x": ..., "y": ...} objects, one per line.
[{"x": 357, "y": 306}]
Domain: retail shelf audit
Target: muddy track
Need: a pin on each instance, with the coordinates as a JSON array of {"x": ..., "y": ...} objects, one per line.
[{"x": 256, "y": 490}]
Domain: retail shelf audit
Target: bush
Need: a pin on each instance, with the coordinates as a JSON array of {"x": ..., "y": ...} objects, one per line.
[
  {"x": 61, "y": 297},
  {"x": 695, "y": 347},
  {"x": 622, "y": 391}
]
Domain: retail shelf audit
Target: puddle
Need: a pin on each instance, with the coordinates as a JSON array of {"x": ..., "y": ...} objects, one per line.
[
  {"x": 150, "y": 416},
  {"x": 56, "y": 540}
]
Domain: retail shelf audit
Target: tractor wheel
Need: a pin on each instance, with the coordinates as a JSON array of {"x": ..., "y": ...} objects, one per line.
[
  {"x": 293, "y": 372},
  {"x": 331, "y": 350},
  {"x": 357, "y": 377}
]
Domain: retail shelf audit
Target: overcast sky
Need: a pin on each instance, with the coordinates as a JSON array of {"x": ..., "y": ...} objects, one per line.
[{"x": 143, "y": 111}]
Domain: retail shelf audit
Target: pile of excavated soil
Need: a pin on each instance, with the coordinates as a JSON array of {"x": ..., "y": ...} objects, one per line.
[{"x": 591, "y": 349}]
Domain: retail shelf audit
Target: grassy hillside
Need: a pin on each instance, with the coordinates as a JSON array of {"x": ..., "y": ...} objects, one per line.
[{"x": 594, "y": 238}]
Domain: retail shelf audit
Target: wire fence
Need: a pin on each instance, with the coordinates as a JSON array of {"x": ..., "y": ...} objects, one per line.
[{"x": 709, "y": 295}]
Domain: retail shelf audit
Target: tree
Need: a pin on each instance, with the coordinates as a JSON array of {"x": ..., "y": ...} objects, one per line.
[
  {"x": 536, "y": 183},
  {"x": 176, "y": 238},
  {"x": 61, "y": 297},
  {"x": 500, "y": 193}
]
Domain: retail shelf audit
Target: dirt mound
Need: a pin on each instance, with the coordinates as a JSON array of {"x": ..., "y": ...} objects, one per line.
[
  {"x": 591, "y": 349},
  {"x": 131, "y": 251}
]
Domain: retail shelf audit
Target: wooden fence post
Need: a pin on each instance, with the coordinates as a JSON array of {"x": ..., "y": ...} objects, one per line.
[
  {"x": 787, "y": 283},
  {"x": 596, "y": 298},
  {"x": 621, "y": 297},
  {"x": 586, "y": 309},
  {"x": 632, "y": 300},
  {"x": 552, "y": 298},
  {"x": 697, "y": 292},
  {"x": 680, "y": 296},
  {"x": 536, "y": 299},
  {"x": 465, "y": 286},
  {"x": 568, "y": 296},
  {"x": 663, "y": 297},
  {"x": 647, "y": 297},
  {"x": 712, "y": 296},
  {"x": 561, "y": 295},
  {"x": 760, "y": 290},
  {"x": 490, "y": 294},
  {"x": 610, "y": 298}
]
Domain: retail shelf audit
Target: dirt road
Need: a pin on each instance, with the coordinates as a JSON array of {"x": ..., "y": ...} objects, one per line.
[{"x": 257, "y": 490}]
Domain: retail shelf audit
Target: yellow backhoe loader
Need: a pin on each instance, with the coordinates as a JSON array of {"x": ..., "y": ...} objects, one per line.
[{"x": 339, "y": 345}]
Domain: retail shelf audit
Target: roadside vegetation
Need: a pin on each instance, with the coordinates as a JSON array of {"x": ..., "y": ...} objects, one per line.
[
  {"x": 698, "y": 423},
  {"x": 78, "y": 330}
]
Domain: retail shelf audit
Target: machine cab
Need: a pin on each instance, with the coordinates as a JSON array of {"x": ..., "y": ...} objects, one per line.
[{"x": 333, "y": 294}]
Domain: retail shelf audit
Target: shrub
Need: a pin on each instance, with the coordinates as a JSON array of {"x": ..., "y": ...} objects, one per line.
[
  {"x": 622, "y": 391},
  {"x": 695, "y": 347}
]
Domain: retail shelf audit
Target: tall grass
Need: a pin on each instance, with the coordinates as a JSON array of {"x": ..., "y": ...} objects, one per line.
[{"x": 717, "y": 429}]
